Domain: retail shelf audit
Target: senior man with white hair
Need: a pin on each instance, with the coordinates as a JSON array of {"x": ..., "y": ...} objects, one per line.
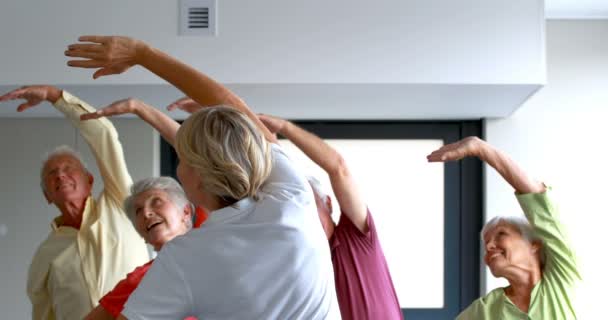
[
  {"x": 534, "y": 255},
  {"x": 92, "y": 244}
]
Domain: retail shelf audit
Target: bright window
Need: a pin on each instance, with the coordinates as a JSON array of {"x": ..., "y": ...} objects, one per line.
[{"x": 405, "y": 194}]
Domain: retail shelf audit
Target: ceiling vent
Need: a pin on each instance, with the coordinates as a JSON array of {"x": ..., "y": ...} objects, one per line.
[{"x": 198, "y": 17}]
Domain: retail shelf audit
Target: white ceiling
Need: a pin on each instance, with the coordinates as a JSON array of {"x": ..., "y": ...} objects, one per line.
[
  {"x": 411, "y": 59},
  {"x": 576, "y": 9}
]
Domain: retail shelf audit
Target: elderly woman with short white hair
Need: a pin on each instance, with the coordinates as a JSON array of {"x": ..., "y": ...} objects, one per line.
[
  {"x": 160, "y": 212},
  {"x": 533, "y": 254}
]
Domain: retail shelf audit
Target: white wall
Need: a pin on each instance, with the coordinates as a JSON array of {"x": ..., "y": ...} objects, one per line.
[
  {"x": 559, "y": 136},
  {"x": 25, "y": 216},
  {"x": 432, "y": 59},
  {"x": 277, "y": 41}
]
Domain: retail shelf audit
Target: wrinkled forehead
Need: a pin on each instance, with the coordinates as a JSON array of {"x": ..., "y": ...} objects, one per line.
[
  {"x": 61, "y": 160},
  {"x": 142, "y": 197},
  {"x": 501, "y": 225}
]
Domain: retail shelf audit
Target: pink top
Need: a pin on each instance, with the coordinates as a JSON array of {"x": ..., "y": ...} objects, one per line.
[{"x": 363, "y": 282}]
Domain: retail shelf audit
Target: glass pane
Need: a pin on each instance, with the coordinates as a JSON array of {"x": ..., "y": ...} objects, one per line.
[{"x": 405, "y": 194}]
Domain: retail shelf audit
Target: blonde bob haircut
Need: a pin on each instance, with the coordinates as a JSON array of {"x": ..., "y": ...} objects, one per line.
[{"x": 228, "y": 152}]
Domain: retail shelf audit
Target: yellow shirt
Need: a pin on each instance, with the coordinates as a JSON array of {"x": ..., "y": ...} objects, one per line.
[{"x": 72, "y": 269}]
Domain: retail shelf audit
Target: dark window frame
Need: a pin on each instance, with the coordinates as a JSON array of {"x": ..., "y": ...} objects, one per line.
[{"x": 463, "y": 199}]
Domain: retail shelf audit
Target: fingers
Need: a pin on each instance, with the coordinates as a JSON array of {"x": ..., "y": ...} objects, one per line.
[
  {"x": 26, "y": 105},
  {"x": 441, "y": 156},
  {"x": 93, "y": 53},
  {"x": 435, "y": 157},
  {"x": 448, "y": 152},
  {"x": 98, "y": 114},
  {"x": 86, "y": 47},
  {"x": 176, "y": 104},
  {"x": 104, "y": 72},
  {"x": 265, "y": 120},
  {"x": 85, "y": 54},
  {"x": 185, "y": 104},
  {"x": 94, "y": 39},
  {"x": 15, "y": 94},
  {"x": 85, "y": 63}
]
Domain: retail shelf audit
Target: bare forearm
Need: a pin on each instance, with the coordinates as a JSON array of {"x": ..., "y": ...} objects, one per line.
[
  {"x": 509, "y": 170},
  {"x": 166, "y": 126},
  {"x": 202, "y": 89},
  {"x": 314, "y": 147},
  {"x": 343, "y": 185}
]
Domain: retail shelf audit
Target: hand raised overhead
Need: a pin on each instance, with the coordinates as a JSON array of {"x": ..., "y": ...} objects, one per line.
[
  {"x": 119, "y": 107},
  {"x": 110, "y": 54},
  {"x": 274, "y": 124},
  {"x": 32, "y": 95},
  {"x": 467, "y": 147},
  {"x": 185, "y": 104}
]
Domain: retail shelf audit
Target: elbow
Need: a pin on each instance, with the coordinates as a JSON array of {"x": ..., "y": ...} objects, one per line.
[{"x": 339, "y": 168}]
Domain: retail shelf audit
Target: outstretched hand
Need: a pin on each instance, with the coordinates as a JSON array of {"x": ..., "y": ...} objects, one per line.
[
  {"x": 109, "y": 54},
  {"x": 32, "y": 95},
  {"x": 274, "y": 124},
  {"x": 117, "y": 108},
  {"x": 185, "y": 104},
  {"x": 467, "y": 147}
]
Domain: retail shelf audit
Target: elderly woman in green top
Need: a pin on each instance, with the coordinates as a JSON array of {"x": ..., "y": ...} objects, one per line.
[{"x": 534, "y": 255}]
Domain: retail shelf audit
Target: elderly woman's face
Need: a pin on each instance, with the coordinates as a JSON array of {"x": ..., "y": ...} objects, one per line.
[
  {"x": 505, "y": 247},
  {"x": 158, "y": 219}
]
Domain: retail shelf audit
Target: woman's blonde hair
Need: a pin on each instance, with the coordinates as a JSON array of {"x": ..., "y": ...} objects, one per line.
[{"x": 227, "y": 150}]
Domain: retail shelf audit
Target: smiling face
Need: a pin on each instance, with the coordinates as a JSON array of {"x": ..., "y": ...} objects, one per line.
[
  {"x": 158, "y": 219},
  {"x": 65, "y": 179},
  {"x": 505, "y": 247}
]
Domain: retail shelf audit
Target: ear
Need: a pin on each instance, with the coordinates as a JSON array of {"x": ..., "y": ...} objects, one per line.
[
  {"x": 91, "y": 179},
  {"x": 537, "y": 247},
  {"x": 187, "y": 212}
]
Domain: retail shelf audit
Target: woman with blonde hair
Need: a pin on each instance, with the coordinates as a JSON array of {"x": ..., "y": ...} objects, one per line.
[{"x": 263, "y": 249}]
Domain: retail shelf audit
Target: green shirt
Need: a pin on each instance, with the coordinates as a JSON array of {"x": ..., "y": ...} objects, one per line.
[{"x": 552, "y": 296}]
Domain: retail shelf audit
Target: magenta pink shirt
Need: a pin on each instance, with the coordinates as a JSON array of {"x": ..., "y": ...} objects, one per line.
[{"x": 363, "y": 282}]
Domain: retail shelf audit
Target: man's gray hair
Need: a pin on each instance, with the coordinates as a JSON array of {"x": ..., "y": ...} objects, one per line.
[
  {"x": 521, "y": 225},
  {"x": 318, "y": 189},
  {"x": 63, "y": 150},
  {"x": 166, "y": 184}
]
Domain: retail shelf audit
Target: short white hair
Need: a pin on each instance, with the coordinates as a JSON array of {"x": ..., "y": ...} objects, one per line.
[
  {"x": 63, "y": 150},
  {"x": 166, "y": 184},
  {"x": 521, "y": 225}
]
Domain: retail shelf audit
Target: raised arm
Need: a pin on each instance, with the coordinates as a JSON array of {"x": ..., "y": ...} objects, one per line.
[
  {"x": 166, "y": 126},
  {"x": 533, "y": 198},
  {"x": 342, "y": 182},
  {"x": 114, "y": 55},
  {"x": 507, "y": 168},
  {"x": 100, "y": 135},
  {"x": 33, "y": 95}
]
